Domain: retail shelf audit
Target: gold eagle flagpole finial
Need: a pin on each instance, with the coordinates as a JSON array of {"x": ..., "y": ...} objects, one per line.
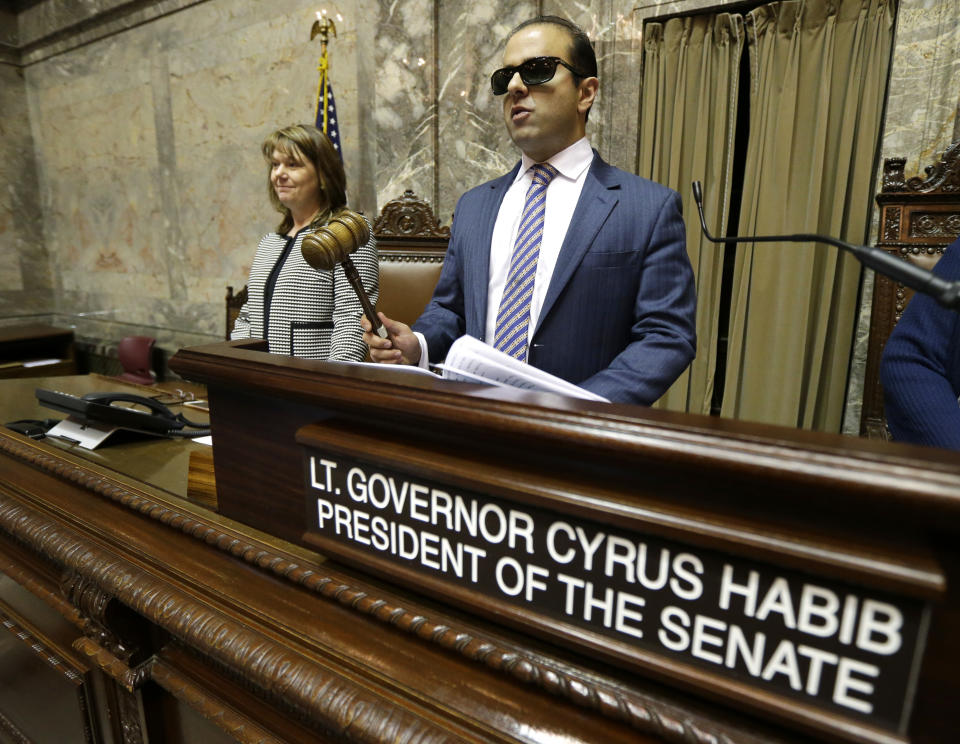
[{"x": 323, "y": 27}]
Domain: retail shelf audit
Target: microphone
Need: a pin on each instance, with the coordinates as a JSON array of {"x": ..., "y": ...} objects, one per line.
[
  {"x": 332, "y": 244},
  {"x": 947, "y": 293}
]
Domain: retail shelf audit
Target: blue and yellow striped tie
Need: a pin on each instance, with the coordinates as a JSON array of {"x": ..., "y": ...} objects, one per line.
[{"x": 513, "y": 317}]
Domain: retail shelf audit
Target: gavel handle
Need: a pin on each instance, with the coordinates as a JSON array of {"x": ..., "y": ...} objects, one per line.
[{"x": 354, "y": 278}]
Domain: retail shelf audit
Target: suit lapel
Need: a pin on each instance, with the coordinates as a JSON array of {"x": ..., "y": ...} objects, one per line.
[
  {"x": 477, "y": 262},
  {"x": 598, "y": 198}
]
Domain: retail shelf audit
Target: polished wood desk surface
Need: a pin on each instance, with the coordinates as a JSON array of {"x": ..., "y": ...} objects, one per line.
[
  {"x": 11, "y": 334},
  {"x": 161, "y": 462}
]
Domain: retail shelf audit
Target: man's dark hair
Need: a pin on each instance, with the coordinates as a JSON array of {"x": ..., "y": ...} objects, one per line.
[{"x": 582, "y": 56}]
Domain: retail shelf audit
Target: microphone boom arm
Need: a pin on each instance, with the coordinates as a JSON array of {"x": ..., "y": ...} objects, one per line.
[{"x": 945, "y": 292}]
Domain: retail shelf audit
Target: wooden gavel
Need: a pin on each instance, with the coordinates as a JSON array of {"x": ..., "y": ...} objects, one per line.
[{"x": 332, "y": 244}]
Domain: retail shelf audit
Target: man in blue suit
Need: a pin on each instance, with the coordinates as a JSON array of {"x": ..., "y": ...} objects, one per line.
[
  {"x": 611, "y": 294},
  {"x": 920, "y": 368}
]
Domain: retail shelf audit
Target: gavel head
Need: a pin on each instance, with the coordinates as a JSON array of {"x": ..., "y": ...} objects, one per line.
[{"x": 334, "y": 242}]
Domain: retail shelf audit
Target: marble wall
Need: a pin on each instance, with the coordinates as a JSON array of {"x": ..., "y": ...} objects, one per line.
[
  {"x": 146, "y": 125},
  {"x": 26, "y": 289},
  {"x": 131, "y": 185},
  {"x": 9, "y": 34}
]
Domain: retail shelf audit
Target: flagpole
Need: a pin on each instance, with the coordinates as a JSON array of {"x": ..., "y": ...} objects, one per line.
[{"x": 323, "y": 27}]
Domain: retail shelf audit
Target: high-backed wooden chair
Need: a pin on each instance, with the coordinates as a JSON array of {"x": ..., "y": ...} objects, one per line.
[
  {"x": 919, "y": 217},
  {"x": 412, "y": 245}
]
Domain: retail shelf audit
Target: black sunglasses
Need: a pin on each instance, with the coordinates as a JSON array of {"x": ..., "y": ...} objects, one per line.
[{"x": 535, "y": 71}]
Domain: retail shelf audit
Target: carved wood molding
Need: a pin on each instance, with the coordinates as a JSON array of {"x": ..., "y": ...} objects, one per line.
[
  {"x": 934, "y": 225},
  {"x": 130, "y": 715},
  {"x": 671, "y": 723},
  {"x": 40, "y": 589},
  {"x": 93, "y": 602},
  {"x": 891, "y": 228},
  {"x": 905, "y": 251},
  {"x": 10, "y": 730},
  {"x": 223, "y": 716},
  {"x": 12, "y": 623},
  {"x": 893, "y": 174},
  {"x": 70, "y": 669},
  {"x": 418, "y": 257},
  {"x": 409, "y": 217},
  {"x": 321, "y": 695},
  {"x": 132, "y": 678}
]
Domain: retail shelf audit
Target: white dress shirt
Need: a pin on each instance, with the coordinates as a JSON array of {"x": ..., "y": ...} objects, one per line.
[{"x": 563, "y": 193}]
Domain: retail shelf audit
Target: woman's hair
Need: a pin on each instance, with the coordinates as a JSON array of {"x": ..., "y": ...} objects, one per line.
[{"x": 304, "y": 141}]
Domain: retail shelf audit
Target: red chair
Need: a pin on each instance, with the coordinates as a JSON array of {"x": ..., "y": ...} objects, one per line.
[{"x": 136, "y": 357}]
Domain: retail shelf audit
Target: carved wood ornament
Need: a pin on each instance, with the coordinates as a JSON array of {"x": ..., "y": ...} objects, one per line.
[{"x": 409, "y": 216}]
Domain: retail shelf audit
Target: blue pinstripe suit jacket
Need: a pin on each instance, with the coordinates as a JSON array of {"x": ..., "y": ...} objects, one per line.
[
  {"x": 920, "y": 368},
  {"x": 619, "y": 315}
]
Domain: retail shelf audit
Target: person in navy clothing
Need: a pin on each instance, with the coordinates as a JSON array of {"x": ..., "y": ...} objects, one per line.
[
  {"x": 612, "y": 305},
  {"x": 920, "y": 368}
]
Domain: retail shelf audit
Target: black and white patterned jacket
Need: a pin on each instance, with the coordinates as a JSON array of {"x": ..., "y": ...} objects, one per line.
[{"x": 313, "y": 314}]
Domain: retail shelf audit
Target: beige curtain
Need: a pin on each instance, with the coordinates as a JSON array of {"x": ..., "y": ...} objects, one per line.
[
  {"x": 687, "y": 119},
  {"x": 818, "y": 72}
]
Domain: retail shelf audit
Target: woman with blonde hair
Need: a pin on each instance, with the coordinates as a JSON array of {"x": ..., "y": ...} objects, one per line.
[{"x": 300, "y": 311}]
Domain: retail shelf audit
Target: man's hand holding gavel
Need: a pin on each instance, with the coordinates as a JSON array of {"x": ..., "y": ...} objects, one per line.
[{"x": 402, "y": 346}]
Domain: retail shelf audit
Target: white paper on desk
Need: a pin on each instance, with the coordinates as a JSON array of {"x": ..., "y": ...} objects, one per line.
[
  {"x": 89, "y": 435},
  {"x": 460, "y": 375},
  {"x": 470, "y": 356},
  {"x": 41, "y": 362}
]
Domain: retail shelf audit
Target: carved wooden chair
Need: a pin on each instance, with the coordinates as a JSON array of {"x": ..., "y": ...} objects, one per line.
[
  {"x": 412, "y": 246},
  {"x": 919, "y": 217}
]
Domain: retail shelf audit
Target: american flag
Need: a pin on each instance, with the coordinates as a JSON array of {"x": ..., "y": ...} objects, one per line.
[{"x": 327, "y": 111}]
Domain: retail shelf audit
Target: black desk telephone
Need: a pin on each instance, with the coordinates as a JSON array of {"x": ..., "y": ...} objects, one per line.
[{"x": 99, "y": 408}]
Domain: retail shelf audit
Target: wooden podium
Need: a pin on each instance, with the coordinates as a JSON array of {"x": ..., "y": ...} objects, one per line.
[{"x": 400, "y": 558}]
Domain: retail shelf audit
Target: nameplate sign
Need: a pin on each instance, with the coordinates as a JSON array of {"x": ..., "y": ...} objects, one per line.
[{"x": 640, "y": 599}]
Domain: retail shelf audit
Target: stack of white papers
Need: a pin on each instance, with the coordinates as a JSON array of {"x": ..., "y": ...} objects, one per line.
[{"x": 471, "y": 360}]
